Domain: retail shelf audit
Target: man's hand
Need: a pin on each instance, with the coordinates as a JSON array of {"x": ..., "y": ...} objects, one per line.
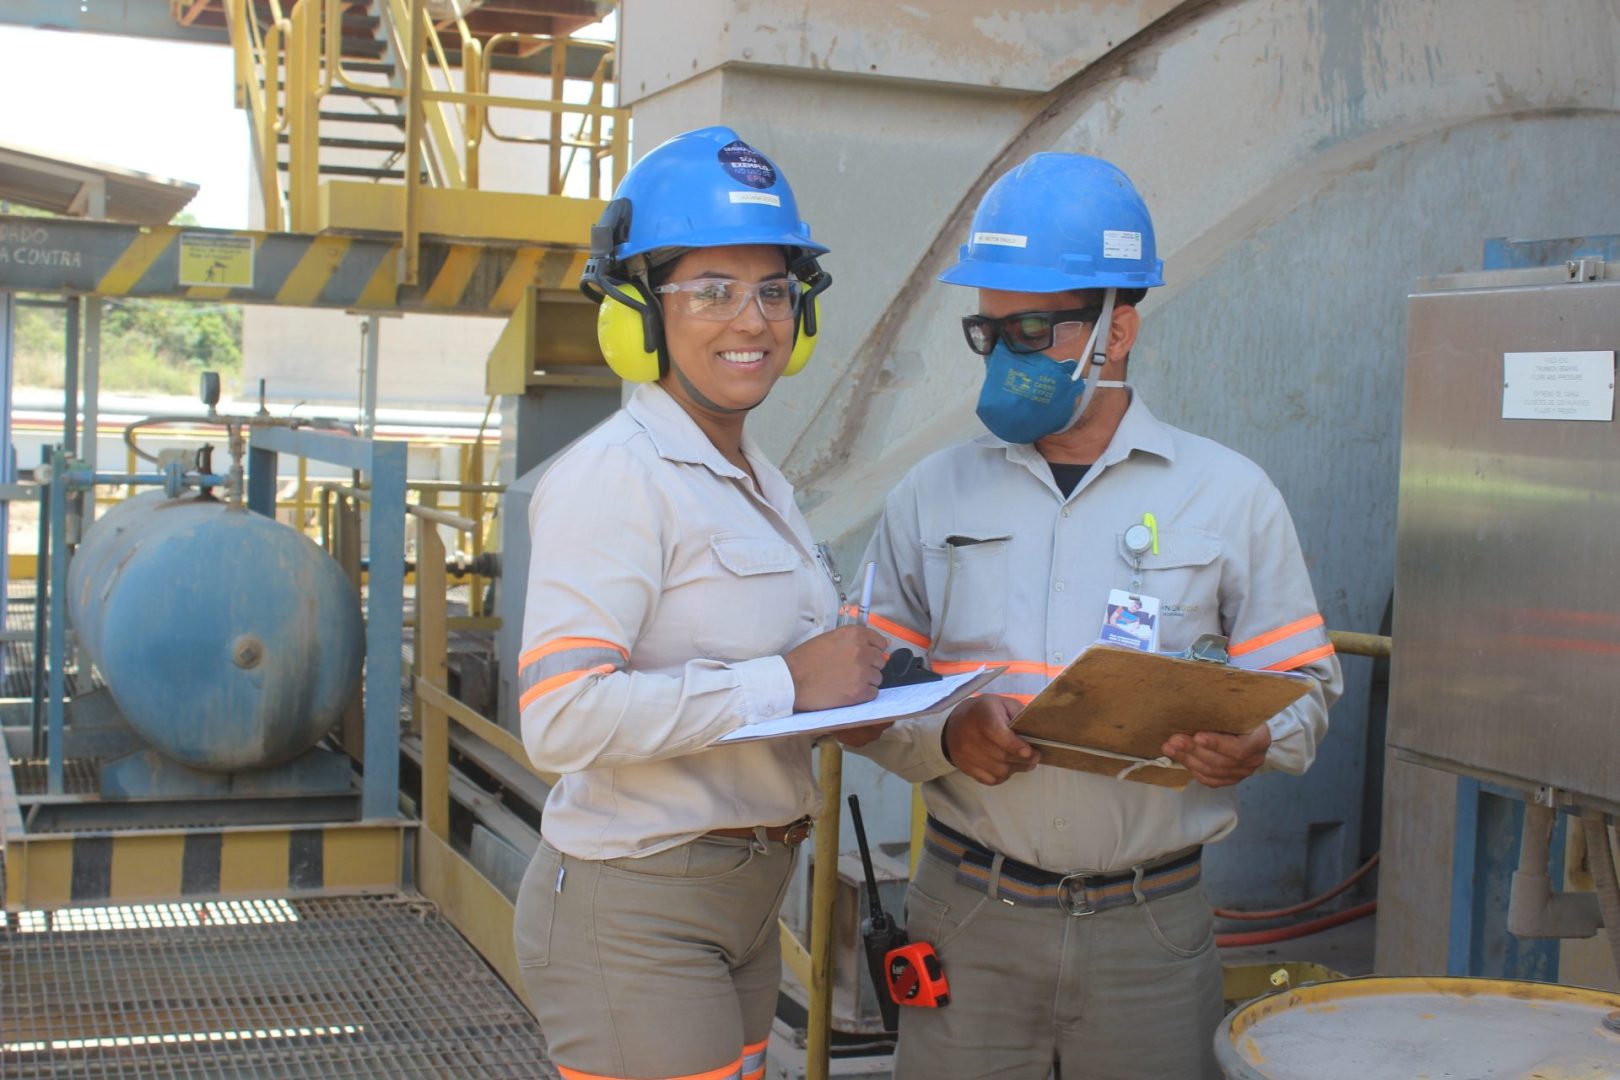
[
  {"x": 980, "y": 742},
  {"x": 1217, "y": 760},
  {"x": 859, "y": 736}
]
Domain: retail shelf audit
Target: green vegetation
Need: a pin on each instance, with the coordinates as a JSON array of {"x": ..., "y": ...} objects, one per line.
[{"x": 147, "y": 346}]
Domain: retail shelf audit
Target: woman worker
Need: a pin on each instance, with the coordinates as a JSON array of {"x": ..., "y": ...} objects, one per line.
[{"x": 675, "y": 595}]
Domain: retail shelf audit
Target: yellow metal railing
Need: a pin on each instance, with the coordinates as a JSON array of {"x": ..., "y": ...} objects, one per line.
[{"x": 284, "y": 71}]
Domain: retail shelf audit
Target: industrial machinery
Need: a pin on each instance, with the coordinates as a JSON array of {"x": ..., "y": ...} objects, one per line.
[
  {"x": 260, "y": 626},
  {"x": 1507, "y": 616}
]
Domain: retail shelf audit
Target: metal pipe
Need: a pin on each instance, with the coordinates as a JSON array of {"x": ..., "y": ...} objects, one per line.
[
  {"x": 56, "y": 707},
  {"x": 70, "y": 380},
  {"x": 92, "y": 392},
  {"x": 1534, "y": 910},
  {"x": 443, "y": 517},
  {"x": 369, "y": 332},
  {"x": 1353, "y": 643},
  {"x": 42, "y": 568},
  {"x": 823, "y": 892},
  {"x": 1608, "y": 887}
]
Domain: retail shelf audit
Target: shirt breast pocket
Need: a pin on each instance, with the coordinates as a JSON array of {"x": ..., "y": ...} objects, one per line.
[
  {"x": 967, "y": 578},
  {"x": 751, "y": 603},
  {"x": 1185, "y": 577}
]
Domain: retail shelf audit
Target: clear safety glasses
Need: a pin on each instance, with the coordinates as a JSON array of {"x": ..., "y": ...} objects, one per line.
[
  {"x": 723, "y": 299},
  {"x": 1025, "y": 332}
]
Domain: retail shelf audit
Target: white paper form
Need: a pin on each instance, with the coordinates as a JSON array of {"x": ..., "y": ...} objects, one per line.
[{"x": 895, "y": 703}]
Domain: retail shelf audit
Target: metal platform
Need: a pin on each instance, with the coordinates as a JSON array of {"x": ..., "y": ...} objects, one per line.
[{"x": 331, "y": 987}]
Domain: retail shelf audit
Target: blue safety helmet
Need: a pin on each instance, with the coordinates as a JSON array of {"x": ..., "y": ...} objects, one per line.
[
  {"x": 1059, "y": 222},
  {"x": 706, "y": 188}
]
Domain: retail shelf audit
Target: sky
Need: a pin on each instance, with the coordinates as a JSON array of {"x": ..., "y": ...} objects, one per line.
[{"x": 157, "y": 107}]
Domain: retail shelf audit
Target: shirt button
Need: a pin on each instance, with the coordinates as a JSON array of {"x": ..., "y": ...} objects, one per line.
[
  {"x": 1066, "y": 511},
  {"x": 1057, "y": 658},
  {"x": 1058, "y": 586},
  {"x": 1059, "y": 823}
]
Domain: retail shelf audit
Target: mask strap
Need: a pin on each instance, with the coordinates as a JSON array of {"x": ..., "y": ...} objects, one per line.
[{"x": 1097, "y": 358}]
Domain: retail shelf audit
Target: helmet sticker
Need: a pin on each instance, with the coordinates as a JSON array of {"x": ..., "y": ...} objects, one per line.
[
  {"x": 1121, "y": 245},
  {"x": 747, "y": 165},
  {"x": 1001, "y": 239},
  {"x": 763, "y": 198}
]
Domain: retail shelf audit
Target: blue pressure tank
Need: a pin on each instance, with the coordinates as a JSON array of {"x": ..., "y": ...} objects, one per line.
[{"x": 229, "y": 641}]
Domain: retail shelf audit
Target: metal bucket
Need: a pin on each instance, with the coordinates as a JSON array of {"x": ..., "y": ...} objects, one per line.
[{"x": 1380, "y": 1028}]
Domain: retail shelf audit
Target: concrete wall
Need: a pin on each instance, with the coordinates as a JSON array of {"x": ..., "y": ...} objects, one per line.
[{"x": 1306, "y": 161}]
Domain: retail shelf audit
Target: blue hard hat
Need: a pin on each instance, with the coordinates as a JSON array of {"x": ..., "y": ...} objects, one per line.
[
  {"x": 1059, "y": 222},
  {"x": 706, "y": 188}
]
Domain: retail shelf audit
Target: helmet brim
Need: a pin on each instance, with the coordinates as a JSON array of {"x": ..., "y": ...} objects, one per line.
[{"x": 1008, "y": 277}]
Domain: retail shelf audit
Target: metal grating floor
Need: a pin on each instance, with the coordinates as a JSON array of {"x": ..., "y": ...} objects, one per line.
[{"x": 333, "y": 987}]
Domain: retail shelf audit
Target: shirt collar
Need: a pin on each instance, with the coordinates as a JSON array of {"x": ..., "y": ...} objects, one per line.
[
  {"x": 1138, "y": 429},
  {"x": 677, "y": 437}
]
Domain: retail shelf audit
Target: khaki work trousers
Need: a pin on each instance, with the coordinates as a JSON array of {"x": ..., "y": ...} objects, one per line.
[
  {"x": 1130, "y": 993},
  {"x": 661, "y": 966}
]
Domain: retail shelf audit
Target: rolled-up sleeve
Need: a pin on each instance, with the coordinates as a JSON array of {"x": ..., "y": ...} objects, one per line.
[
  {"x": 599, "y": 526},
  {"x": 1270, "y": 609}
]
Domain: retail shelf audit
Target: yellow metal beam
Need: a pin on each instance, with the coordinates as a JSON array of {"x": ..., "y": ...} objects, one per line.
[{"x": 461, "y": 214}]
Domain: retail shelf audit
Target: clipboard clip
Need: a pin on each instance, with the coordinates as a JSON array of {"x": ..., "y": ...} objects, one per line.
[{"x": 1210, "y": 648}]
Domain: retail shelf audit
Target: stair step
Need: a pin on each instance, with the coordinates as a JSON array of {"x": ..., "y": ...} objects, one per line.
[
  {"x": 339, "y": 90},
  {"x": 361, "y": 46},
  {"x": 358, "y": 170},
  {"x": 353, "y": 144},
  {"x": 369, "y": 67},
  {"x": 362, "y": 118}
]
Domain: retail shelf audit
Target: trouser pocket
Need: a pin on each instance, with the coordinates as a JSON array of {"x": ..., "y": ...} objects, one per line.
[{"x": 537, "y": 907}]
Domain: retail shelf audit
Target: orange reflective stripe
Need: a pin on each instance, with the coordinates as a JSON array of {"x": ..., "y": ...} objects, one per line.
[
  {"x": 559, "y": 644},
  {"x": 756, "y": 1048},
  {"x": 1300, "y": 660},
  {"x": 1014, "y": 667},
  {"x": 888, "y": 626},
  {"x": 753, "y": 1060},
  {"x": 725, "y": 1072},
  {"x": 548, "y": 685},
  {"x": 1272, "y": 637}
]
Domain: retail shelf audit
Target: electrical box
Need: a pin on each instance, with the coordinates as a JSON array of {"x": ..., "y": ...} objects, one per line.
[{"x": 1506, "y": 661}]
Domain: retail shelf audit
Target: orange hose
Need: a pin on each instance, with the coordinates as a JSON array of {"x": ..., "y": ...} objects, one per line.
[
  {"x": 1306, "y": 905},
  {"x": 1284, "y": 933}
]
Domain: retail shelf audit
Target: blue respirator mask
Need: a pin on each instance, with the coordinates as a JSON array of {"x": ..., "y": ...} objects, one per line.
[{"x": 1028, "y": 395}]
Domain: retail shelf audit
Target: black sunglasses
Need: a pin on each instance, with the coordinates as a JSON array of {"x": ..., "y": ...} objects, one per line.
[{"x": 1025, "y": 332}]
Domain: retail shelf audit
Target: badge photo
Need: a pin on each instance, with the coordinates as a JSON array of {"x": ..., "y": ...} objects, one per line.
[{"x": 1132, "y": 620}]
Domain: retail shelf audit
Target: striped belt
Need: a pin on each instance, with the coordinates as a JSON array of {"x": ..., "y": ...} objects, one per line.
[{"x": 1022, "y": 885}]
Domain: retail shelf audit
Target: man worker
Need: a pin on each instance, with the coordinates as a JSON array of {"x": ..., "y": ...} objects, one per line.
[{"x": 1065, "y": 906}]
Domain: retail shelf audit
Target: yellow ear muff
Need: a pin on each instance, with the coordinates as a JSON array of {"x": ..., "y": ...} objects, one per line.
[
  {"x": 803, "y": 344},
  {"x": 619, "y": 333}
]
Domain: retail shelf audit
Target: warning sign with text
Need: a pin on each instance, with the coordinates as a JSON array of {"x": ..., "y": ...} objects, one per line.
[{"x": 221, "y": 261}]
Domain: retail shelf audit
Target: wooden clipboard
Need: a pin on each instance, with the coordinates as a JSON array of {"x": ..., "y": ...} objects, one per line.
[{"x": 1124, "y": 703}]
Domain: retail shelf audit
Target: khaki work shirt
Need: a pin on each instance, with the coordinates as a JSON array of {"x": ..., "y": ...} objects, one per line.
[
  {"x": 982, "y": 560},
  {"x": 663, "y": 590}
]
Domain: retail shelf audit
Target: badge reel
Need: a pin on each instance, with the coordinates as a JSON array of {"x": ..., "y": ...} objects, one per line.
[{"x": 1132, "y": 617}]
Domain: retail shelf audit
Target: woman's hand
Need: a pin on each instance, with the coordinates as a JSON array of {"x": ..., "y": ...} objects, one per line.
[{"x": 840, "y": 667}]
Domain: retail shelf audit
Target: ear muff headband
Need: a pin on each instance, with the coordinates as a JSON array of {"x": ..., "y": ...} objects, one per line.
[{"x": 809, "y": 326}]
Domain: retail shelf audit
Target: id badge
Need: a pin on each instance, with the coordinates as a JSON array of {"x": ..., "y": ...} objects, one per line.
[{"x": 1132, "y": 620}]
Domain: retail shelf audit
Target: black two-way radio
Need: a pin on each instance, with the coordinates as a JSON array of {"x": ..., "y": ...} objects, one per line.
[{"x": 903, "y": 972}]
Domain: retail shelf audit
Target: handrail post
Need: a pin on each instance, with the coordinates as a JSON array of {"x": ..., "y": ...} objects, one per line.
[
  {"x": 559, "y": 73},
  {"x": 823, "y": 893},
  {"x": 411, "y": 236},
  {"x": 432, "y": 646}
]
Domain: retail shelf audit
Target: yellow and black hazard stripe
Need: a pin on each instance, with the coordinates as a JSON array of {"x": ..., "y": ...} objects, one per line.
[
  {"x": 58, "y": 870},
  {"x": 357, "y": 273}
]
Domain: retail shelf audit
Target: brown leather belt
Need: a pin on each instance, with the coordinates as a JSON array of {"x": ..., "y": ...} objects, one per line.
[{"x": 792, "y": 834}]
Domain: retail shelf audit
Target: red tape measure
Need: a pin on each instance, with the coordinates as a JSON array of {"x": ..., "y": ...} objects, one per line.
[{"x": 916, "y": 976}]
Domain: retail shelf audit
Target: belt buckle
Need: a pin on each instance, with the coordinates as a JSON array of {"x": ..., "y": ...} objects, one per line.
[
  {"x": 797, "y": 832},
  {"x": 1066, "y": 889}
]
